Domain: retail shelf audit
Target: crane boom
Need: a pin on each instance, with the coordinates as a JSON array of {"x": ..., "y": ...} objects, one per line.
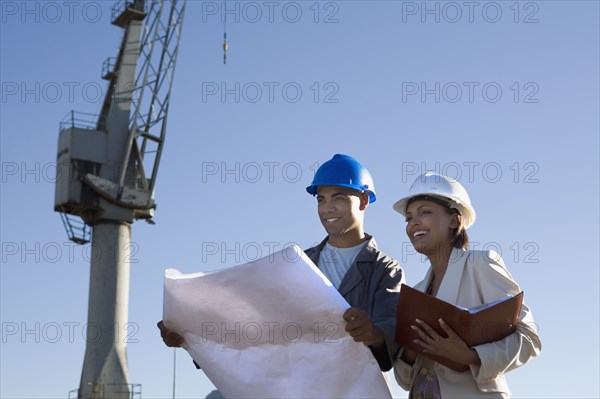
[{"x": 153, "y": 91}]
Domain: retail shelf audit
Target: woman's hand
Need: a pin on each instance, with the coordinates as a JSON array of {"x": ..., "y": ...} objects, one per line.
[{"x": 452, "y": 347}]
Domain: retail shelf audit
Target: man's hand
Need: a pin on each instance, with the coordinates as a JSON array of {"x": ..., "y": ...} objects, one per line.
[
  {"x": 361, "y": 328},
  {"x": 171, "y": 339}
]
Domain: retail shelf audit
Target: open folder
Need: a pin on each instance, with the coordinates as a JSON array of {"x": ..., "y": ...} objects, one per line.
[{"x": 479, "y": 325}]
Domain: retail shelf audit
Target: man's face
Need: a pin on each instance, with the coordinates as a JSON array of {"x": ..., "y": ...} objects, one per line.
[{"x": 341, "y": 209}]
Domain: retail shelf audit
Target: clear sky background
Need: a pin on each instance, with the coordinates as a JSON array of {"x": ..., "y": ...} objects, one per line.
[{"x": 502, "y": 95}]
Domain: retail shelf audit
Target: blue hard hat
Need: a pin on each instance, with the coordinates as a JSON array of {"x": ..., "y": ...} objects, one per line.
[{"x": 343, "y": 171}]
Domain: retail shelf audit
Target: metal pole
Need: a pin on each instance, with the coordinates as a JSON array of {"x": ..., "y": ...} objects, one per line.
[
  {"x": 174, "y": 366},
  {"x": 105, "y": 368}
]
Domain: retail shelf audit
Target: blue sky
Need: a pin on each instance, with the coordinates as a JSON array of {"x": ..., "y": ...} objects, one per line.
[{"x": 501, "y": 95}]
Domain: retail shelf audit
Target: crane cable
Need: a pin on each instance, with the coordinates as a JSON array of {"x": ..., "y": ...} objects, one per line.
[{"x": 225, "y": 45}]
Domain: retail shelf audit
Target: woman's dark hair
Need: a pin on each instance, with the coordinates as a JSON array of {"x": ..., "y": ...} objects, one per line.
[{"x": 460, "y": 238}]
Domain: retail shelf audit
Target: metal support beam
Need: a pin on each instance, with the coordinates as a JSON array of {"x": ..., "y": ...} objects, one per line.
[{"x": 105, "y": 371}]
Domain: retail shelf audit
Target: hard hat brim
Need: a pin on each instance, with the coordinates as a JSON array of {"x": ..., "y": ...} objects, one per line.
[
  {"x": 467, "y": 212},
  {"x": 312, "y": 190}
]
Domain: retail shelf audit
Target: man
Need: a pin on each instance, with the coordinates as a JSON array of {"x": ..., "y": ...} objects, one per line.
[{"x": 367, "y": 278}]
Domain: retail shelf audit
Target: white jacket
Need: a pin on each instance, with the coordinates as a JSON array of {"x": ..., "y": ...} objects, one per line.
[{"x": 474, "y": 278}]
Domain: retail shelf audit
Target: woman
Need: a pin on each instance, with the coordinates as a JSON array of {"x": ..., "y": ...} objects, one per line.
[{"x": 438, "y": 211}]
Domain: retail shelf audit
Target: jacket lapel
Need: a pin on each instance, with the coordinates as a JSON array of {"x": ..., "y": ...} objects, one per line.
[
  {"x": 424, "y": 284},
  {"x": 352, "y": 278},
  {"x": 451, "y": 283},
  {"x": 314, "y": 253},
  {"x": 358, "y": 269}
]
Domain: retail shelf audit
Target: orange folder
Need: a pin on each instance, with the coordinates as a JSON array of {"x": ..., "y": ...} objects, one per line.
[{"x": 479, "y": 325}]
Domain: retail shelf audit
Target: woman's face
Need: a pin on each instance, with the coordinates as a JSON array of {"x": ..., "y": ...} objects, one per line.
[{"x": 429, "y": 226}]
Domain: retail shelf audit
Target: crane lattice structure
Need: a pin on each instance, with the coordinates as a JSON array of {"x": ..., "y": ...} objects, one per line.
[{"x": 106, "y": 175}]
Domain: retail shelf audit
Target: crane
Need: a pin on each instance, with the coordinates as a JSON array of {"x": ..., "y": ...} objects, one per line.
[{"x": 107, "y": 166}]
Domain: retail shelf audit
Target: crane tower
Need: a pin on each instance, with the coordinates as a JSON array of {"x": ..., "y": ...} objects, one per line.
[{"x": 106, "y": 173}]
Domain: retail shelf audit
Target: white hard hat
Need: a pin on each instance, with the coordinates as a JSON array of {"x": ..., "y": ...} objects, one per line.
[{"x": 445, "y": 188}]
